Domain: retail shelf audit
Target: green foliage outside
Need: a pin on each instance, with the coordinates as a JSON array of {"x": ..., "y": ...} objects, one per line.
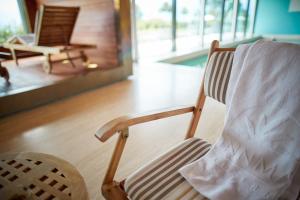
[
  {"x": 158, "y": 24},
  {"x": 8, "y": 31},
  {"x": 166, "y": 7}
]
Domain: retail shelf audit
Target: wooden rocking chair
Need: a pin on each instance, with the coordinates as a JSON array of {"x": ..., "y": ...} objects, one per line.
[
  {"x": 160, "y": 179},
  {"x": 53, "y": 31}
]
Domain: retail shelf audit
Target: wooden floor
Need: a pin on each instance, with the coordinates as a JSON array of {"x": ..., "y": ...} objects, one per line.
[{"x": 66, "y": 128}]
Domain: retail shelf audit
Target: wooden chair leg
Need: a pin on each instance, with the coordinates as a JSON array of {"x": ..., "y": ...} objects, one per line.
[
  {"x": 47, "y": 66},
  {"x": 70, "y": 59},
  {"x": 84, "y": 58},
  {"x": 4, "y": 73},
  {"x": 111, "y": 189},
  {"x": 14, "y": 56}
]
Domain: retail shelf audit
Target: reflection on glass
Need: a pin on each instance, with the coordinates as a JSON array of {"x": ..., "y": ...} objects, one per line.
[
  {"x": 10, "y": 20},
  {"x": 212, "y": 20},
  {"x": 154, "y": 22},
  {"x": 241, "y": 18},
  {"x": 188, "y": 24},
  {"x": 227, "y": 22}
]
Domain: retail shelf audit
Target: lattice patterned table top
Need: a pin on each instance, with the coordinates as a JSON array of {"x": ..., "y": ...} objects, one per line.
[{"x": 39, "y": 176}]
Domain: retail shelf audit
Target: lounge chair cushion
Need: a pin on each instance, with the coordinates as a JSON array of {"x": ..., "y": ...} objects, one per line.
[
  {"x": 160, "y": 178},
  {"x": 217, "y": 75}
]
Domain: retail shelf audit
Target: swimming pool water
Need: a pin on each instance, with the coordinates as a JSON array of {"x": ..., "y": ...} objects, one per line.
[
  {"x": 201, "y": 60},
  {"x": 195, "y": 62}
]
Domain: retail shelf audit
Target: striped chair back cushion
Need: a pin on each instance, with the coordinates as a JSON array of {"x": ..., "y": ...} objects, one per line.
[{"x": 217, "y": 75}]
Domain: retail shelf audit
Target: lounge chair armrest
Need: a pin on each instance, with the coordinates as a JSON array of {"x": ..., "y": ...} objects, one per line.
[{"x": 119, "y": 124}]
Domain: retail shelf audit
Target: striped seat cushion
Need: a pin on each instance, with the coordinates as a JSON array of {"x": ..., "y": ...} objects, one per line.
[
  {"x": 217, "y": 75},
  {"x": 160, "y": 178}
]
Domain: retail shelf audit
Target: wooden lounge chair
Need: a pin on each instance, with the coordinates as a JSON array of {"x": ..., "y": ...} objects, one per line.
[
  {"x": 53, "y": 31},
  {"x": 162, "y": 172}
]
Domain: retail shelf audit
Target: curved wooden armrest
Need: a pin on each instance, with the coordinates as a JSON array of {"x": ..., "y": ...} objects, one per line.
[{"x": 119, "y": 124}]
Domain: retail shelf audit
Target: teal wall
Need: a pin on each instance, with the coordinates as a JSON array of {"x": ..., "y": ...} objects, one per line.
[{"x": 273, "y": 17}]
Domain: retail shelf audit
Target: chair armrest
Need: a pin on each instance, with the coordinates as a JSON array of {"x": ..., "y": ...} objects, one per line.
[{"x": 119, "y": 124}]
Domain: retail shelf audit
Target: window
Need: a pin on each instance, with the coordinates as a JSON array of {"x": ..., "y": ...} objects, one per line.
[
  {"x": 227, "y": 32},
  {"x": 188, "y": 24},
  {"x": 10, "y": 20},
  {"x": 242, "y": 18},
  {"x": 198, "y": 22},
  {"x": 212, "y": 20},
  {"x": 154, "y": 22},
  {"x": 251, "y": 18}
]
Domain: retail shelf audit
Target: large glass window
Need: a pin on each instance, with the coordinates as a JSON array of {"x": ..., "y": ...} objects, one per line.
[
  {"x": 188, "y": 24},
  {"x": 212, "y": 20},
  {"x": 198, "y": 22},
  {"x": 154, "y": 27},
  {"x": 227, "y": 34},
  {"x": 242, "y": 18},
  {"x": 10, "y": 20}
]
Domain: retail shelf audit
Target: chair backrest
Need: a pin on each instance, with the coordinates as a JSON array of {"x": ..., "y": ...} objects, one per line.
[
  {"x": 217, "y": 75},
  {"x": 54, "y": 25},
  {"x": 215, "y": 81}
]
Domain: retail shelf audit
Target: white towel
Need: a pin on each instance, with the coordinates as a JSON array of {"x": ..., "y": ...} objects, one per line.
[{"x": 258, "y": 154}]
